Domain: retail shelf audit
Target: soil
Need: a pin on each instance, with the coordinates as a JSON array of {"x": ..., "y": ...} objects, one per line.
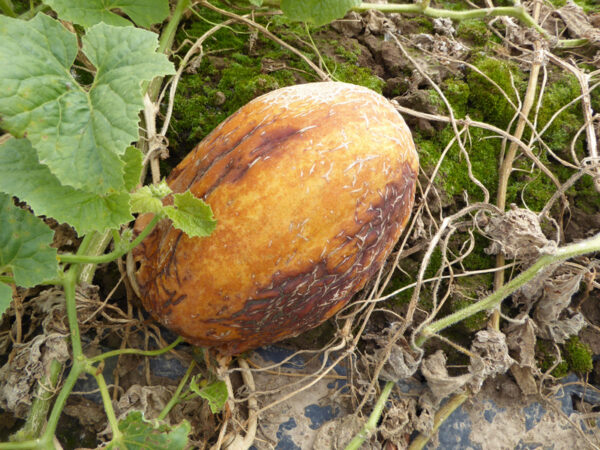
[{"x": 367, "y": 49}]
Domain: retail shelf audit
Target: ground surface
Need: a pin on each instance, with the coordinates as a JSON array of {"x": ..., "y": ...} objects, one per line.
[{"x": 481, "y": 68}]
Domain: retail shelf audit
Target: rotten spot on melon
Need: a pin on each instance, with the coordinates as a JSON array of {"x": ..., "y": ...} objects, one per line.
[{"x": 312, "y": 186}]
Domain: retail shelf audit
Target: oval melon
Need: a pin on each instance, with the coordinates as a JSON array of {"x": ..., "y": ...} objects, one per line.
[{"x": 311, "y": 186}]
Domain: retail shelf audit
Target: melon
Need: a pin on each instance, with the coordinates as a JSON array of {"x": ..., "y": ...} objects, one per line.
[{"x": 311, "y": 186}]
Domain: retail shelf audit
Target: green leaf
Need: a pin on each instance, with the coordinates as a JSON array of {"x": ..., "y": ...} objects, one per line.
[
  {"x": 214, "y": 393},
  {"x": 141, "y": 434},
  {"x": 318, "y": 12},
  {"x": 5, "y": 298},
  {"x": 25, "y": 245},
  {"x": 78, "y": 132},
  {"x": 22, "y": 175},
  {"x": 256, "y": 2},
  {"x": 133, "y": 159},
  {"x": 191, "y": 215},
  {"x": 90, "y": 12},
  {"x": 148, "y": 199}
]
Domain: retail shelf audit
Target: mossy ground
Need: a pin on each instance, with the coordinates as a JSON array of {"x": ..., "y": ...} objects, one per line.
[
  {"x": 576, "y": 357},
  {"x": 231, "y": 74}
]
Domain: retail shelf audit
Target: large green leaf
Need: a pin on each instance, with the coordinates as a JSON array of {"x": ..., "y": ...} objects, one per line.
[
  {"x": 5, "y": 298},
  {"x": 22, "y": 175},
  {"x": 318, "y": 12},
  {"x": 140, "y": 434},
  {"x": 25, "y": 245},
  {"x": 90, "y": 12},
  {"x": 79, "y": 132},
  {"x": 133, "y": 167}
]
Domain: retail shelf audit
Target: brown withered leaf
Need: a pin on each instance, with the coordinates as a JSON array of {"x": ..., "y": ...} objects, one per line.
[
  {"x": 440, "y": 383},
  {"x": 578, "y": 23},
  {"x": 518, "y": 234},
  {"x": 551, "y": 316},
  {"x": 520, "y": 338},
  {"x": 490, "y": 357}
]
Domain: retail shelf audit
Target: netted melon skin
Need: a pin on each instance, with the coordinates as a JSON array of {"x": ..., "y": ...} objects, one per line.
[{"x": 311, "y": 186}]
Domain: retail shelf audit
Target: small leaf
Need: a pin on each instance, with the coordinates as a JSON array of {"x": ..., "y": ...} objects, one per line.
[
  {"x": 148, "y": 199},
  {"x": 191, "y": 215},
  {"x": 256, "y": 2},
  {"x": 133, "y": 159},
  {"x": 22, "y": 175},
  {"x": 5, "y": 298},
  {"x": 318, "y": 12},
  {"x": 214, "y": 393},
  {"x": 78, "y": 132},
  {"x": 141, "y": 434},
  {"x": 90, "y": 12},
  {"x": 25, "y": 245}
]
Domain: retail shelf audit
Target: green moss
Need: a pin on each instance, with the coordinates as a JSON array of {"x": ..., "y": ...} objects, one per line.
[
  {"x": 453, "y": 175},
  {"x": 350, "y": 55},
  {"x": 485, "y": 100},
  {"x": 425, "y": 24},
  {"x": 578, "y": 355},
  {"x": 589, "y": 6},
  {"x": 457, "y": 93},
  {"x": 474, "y": 31},
  {"x": 350, "y": 73},
  {"x": 546, "y": 359}
]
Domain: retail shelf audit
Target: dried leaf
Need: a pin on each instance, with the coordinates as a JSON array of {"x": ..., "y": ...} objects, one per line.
[
  {"x": 550, "y": 311},
  {"x": 578, "y": 23},
  {"x": 19, "y": 376},
  {"x": 518, "y": 235},
  {"x": 151, "y": 400},
  {"x": 402, "y": 362},
  {"x": 491, "y": 357},
  {"x": 438, "y": 380},
  {"x": 520, "y": 339}
]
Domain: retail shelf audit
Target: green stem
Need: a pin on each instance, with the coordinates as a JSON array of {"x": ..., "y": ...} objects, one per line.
[
  {"x": 41, "y": 405},
  {"x": 440, "y": 417},
  {"x": 107, "y": 402},
  {"x": 61, "y": 400},
  {"x": 133, "y": 351},
  {"x": 371, "y": 424},
  {"x": 97, "y": 246},
  {"x": 175, "y": 398},
  {"x": 517, "y": 12},
  {"x": 69, "y": 285},
  {"x": 93, "y": 259},
  {"x": 493, "y": 300},
  {"x": 7, "y": 8},
  {"x": 165, "y": 43}
]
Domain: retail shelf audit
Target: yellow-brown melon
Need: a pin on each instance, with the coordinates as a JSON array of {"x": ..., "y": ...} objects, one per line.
[{"x": 311, "y": 186}]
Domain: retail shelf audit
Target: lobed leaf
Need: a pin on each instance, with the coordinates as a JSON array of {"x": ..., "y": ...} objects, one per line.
[
  {"x": 25, "y": 246},
  {"x": 317, "y": 12},
  {"x": 79, "y": 133},
  {"x": 141, "y": 434},
  {"x": 191, "y": 215},
  {"x": 90, "y": 12},
  {"x": 21, "y": 174},
  {"x": 214, "y": 393},
  {"x": 145, "y": 200}
]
